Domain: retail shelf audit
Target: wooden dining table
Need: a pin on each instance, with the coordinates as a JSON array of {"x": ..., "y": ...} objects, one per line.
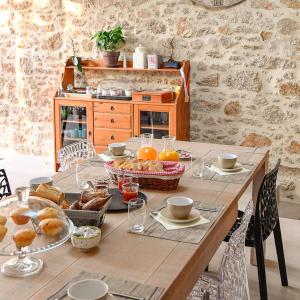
[{"x": 171, "y": 265}]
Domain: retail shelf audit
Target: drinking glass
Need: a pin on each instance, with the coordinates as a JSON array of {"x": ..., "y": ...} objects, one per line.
[
  {"x": 123, "y": 179},
  {"x": 101, "y": 184},
  {"x": 82, "y": 175},
  {"x": 130, "y": 191},
  {"x": 198, "y": 167},
  {"x": 137, "y": 215}
]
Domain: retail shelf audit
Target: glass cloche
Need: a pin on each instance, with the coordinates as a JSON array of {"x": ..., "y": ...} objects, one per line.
[{"x": 28, "y": 225}]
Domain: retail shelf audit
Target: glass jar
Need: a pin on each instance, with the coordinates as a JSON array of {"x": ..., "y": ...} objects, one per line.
[
  {"x": 169, "y": 153},
  {"x": 147, "y": 151}
]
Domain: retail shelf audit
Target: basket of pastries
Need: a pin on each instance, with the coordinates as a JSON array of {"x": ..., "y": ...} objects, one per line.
[
  {"x": 150, "y": 174},
  {"x": 86, "y": 209}
]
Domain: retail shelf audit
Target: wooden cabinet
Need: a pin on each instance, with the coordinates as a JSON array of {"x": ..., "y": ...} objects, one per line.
[{"x": 104, "y": 121}]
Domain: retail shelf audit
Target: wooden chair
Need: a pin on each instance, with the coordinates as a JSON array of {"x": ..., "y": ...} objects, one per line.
[
  {"x": 4, "y": 185},
  {"x": 262, "y": 224},
  {"x": 69, "y": 155},
  {"x": 231, "y": 283}
]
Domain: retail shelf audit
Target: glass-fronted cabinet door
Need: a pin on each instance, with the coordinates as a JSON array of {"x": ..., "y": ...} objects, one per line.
[
  {"x": 73, "y": 122},
  {"x": 158, "y": 120}
]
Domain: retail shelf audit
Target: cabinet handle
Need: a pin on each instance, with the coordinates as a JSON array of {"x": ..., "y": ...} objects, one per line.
[
  {"x": 112, "y": 137},
  {"x": 112, "y": 108},
  {"x": 112, "y": 121},
  {"x": 90, "y": 133}
]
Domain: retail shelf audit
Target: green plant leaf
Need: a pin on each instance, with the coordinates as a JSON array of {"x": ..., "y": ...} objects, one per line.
[{"x": 109, "y": 40}]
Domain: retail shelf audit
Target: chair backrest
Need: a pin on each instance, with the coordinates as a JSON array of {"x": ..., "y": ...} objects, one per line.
[
  {"x": 68, "y": 155},
  {"x": 233, "y": 272},
  {"x": 266, "y": 211},
  {"x": 4, "y": 185}
]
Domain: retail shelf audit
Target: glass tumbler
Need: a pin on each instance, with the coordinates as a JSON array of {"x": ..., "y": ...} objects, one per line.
[
  {"x": 82, "y": 175},
  {"x": 198, "y": 167},
  {"x": 137, "y": 215},
  {"x": 101, "y": 184}
]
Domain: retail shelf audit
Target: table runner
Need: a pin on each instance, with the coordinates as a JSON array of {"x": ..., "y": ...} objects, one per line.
[
  {"x": 115, "y": 285},
  {"x": 191, "y": 235}
]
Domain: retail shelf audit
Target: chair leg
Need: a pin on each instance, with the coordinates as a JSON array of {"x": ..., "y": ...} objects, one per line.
[
  {"x": 261, "y": 271},
  {"x": 280, "y": 254}
]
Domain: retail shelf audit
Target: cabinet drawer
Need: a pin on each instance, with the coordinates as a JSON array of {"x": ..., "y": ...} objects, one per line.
[
  {"x": 113, "y": 108},
  {"x": 112, "y": 121},
  {"x": 100, "y": 149},
  {"x": 103, "y": 137}
]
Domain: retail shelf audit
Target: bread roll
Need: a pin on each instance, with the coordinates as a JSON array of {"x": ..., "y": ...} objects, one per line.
[
  {"x": 49, "y": 192},
  {"x": 20, "y": 215},
  {"x": 3, "y": 231},
  {"x": 95, "y": 204},
  {"x": 51, "y": 226},
  {"x": 47, "y": 212},
  {"x": 3, "y": 220},
  {"x": 24, "y": 237}
]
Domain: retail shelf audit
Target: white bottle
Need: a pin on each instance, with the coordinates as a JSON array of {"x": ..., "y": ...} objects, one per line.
[{"x": 140, "y": 58}]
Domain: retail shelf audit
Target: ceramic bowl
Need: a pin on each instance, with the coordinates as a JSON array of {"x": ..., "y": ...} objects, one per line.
[
  {"x": 88, "y": 289},
  {"x": 227, "y": 160},
  {"x": 117, "y": 149},
  {"x": 85, "y": 244},
  {"x": 180, "y": 207}
]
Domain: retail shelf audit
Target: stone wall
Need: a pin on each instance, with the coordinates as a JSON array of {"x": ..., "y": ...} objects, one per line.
[{"x": 245, "y": 76}]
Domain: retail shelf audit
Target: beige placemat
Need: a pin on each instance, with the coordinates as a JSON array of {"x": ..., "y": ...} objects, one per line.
[
  {"x": 231, "y": 178},
  {"x": 115, "y": 285},
  {"x": 191, "y": 235}
]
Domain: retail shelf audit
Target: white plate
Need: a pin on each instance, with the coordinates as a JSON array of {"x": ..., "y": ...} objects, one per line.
[
  {"x": 194, "y": 215},
  {"x": 237, "y": 168},
  {"x": 126, "y": 154},
  {"x": 184, "y": 155}
]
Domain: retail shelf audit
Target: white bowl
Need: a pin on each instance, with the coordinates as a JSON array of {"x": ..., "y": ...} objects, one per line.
[
  {"x": 117, "y": 149},
  {"x": 86, "y": 243},
  {"x": 88, "y": 289},
  {"x": 180, "y": 207},
  {"x": 227, "y": 160}
]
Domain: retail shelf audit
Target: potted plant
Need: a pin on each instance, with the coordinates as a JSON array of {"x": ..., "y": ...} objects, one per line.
[{"x": 109, "y": 42}]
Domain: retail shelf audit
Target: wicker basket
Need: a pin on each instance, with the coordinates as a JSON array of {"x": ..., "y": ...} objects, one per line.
[{"x": 163, "y": 181}]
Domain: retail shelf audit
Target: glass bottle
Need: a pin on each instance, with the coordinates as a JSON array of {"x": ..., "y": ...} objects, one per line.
[
  {"x": 169, "y": 153},
  {"x": 147, "y": 151}
]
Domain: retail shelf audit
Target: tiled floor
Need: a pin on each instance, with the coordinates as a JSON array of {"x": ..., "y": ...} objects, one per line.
[{"x": 21, "y": 169}]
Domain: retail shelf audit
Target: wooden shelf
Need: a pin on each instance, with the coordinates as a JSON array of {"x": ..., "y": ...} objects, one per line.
[
  {"x": 165, "y": 70},
  {"x": 156, "y": 127},
  {"x": 73, "y": 121},
  {"x": 98, "y": 65}
]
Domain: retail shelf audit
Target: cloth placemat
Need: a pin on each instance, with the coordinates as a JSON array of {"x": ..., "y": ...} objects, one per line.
[
  {"x": 172, "y": 226},
  {"x": 238, "y": 177},
  {"x": 115, "y": 285},
  {"x": 191, "y": 235},
  {"x": 224, "y": 173}
]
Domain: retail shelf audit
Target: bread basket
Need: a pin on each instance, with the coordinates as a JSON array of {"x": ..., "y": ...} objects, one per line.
[{"x": 165, "y": 181}]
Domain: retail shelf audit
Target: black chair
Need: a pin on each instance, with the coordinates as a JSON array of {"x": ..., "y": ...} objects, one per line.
[
  {"x": 4, "y": 185},
  {"x": 262, "y": 224}
]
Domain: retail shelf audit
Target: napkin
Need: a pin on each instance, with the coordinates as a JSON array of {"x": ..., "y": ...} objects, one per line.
[
  {"x": 220, "y": 172},
  {"x": 172, "y": 226}
]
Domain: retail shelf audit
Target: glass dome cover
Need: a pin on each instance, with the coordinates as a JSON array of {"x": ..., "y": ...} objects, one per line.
[{"x": 23, "y": 265}]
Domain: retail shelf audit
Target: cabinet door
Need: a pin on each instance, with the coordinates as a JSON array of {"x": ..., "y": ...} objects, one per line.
[
  {"x": 156, "y": 119},
  {"x": 73, "y": 122}
]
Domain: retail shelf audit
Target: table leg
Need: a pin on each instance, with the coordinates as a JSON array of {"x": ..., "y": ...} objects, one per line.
[{"x": 257, "y": 180}]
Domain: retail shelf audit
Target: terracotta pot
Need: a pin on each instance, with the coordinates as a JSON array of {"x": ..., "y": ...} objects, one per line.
[{"x": 111, "y": 59}]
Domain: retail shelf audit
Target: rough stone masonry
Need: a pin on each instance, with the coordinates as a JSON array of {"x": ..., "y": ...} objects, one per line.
[{"x": 245, "y": 76}]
